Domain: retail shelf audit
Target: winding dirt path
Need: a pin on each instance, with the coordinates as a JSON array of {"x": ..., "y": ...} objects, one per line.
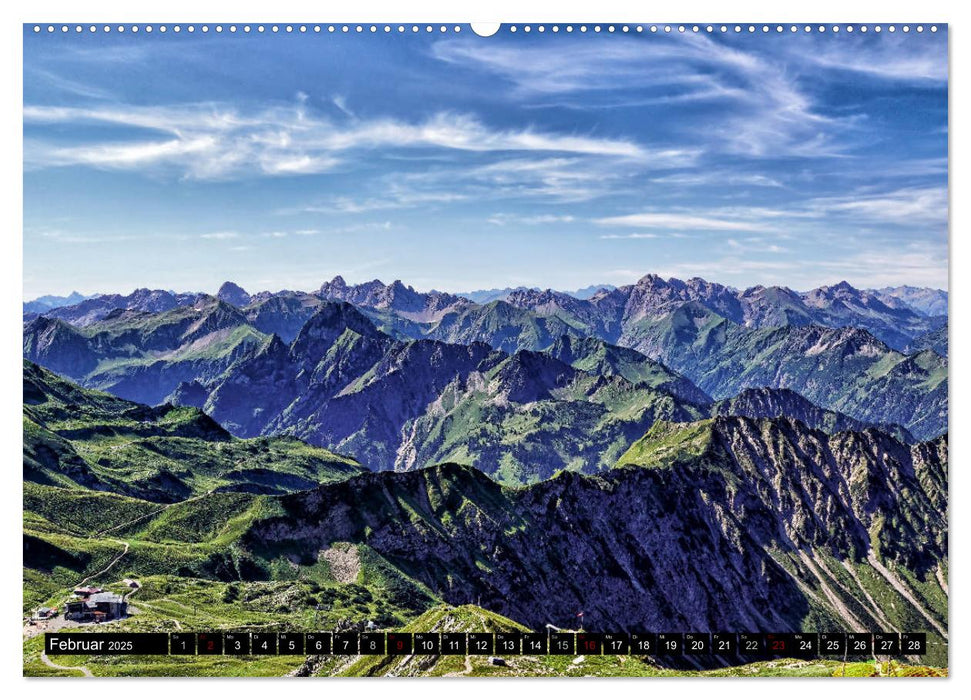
[{"x": 47, "y": 662}]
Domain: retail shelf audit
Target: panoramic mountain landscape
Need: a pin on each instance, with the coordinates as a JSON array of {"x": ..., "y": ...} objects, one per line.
[
  {"x": 565, "y": 329},
  {"x": 532, "y": 456}
]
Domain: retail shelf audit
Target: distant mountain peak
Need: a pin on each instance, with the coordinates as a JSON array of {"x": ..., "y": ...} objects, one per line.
[{"x": 232, "y": 293}]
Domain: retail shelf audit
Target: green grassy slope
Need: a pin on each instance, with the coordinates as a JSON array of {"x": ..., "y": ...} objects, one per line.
[{"x": 81, "y": 437}]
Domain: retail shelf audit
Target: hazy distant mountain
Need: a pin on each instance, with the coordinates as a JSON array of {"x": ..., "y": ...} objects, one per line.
[
  {"x": 484, "y": 296},
  {"x": 98, "y": 307},
  {"x": 928, "y": 301},
  {"x": 617, "y": 311},
  {"x": 587, "y": 292},
  {"x": 396, "y": 298},
  {"x": 143, "y": 356},
  {"x": 46, "y": 303}
]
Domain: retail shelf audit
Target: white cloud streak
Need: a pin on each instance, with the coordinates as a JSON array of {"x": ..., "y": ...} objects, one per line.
[
  {"x": 206, "y": 141},
  {"x": 679, "y": 222}
]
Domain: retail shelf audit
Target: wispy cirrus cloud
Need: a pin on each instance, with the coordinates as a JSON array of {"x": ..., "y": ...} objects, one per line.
[
  {"x": 913, "y": 205},
  {"x": 926, "y": 206},
  {"x": 679, "y": 222},
  {"x": 504, "y": 219},
  {"x": 76, "y": 238},
  {"x": 628, "y": 236},
  {"x": 765, "y": 98},
  {"x": 213, "y": 141}
]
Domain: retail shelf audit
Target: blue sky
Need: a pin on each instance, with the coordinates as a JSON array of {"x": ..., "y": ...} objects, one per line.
[{"x": 458, "y": 162}]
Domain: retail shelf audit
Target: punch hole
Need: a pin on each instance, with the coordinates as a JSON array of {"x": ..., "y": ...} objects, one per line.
[{"x": 485, "y": 28}]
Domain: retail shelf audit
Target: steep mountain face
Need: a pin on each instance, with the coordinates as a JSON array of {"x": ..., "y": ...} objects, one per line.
[
  {"x": 578, "y": 314},
  {"x": 501, "y": 325},
  {"x": 844, "y": 369},
  {"x": 144, "y": 356},
  {"x": 96, "y": 308},
  {"x": 59, "y": 346},
  {"x": 934, "y": 340},
  {"x": 282, "y": 314},
  {"x": 598, "y": 357},
  {"x": 727, "y": 524},
  {"x": 531, "y": 415},
  {"x": 75, "y": 437},
  {"x": 785, "y": 403}
]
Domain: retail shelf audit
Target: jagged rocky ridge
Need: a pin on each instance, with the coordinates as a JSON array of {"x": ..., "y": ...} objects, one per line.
[{"x": 732, "y": 523}]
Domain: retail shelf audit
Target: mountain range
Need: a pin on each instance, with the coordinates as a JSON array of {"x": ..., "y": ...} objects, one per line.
[
  {"x": 344, "y": 385},
  {"x": 664, "y": 456},
  {"x": 321, "y": 359},
  {"x": 897, "y": 316},
  {"x": 749, "y": 524}
]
